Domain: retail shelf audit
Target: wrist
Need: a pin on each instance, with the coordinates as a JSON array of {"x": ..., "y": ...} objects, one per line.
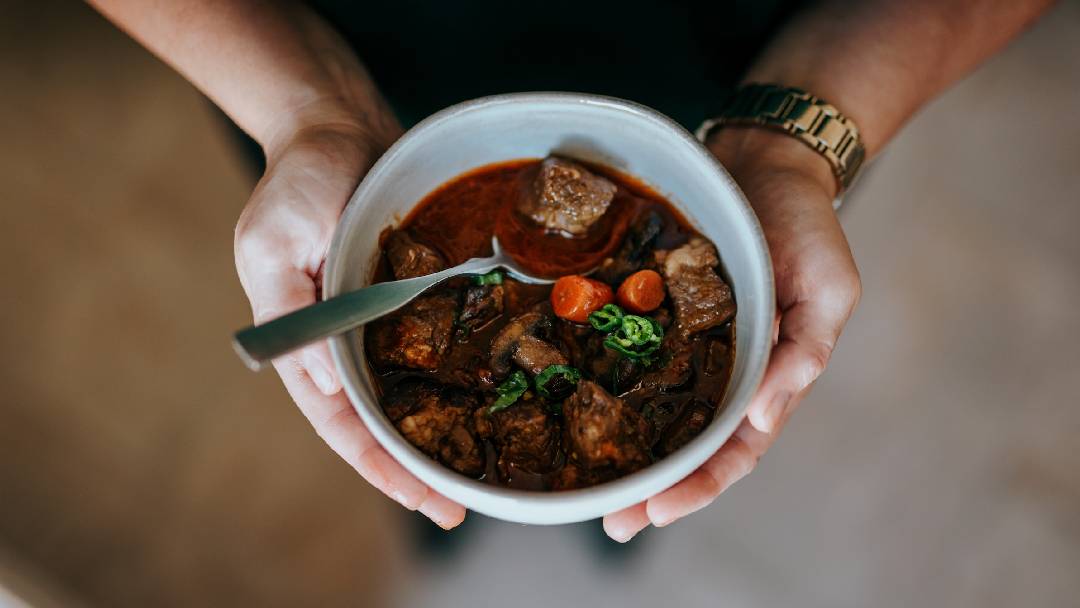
[
  {"x": 759, "y": 153},
  {"x": 836, "y": 53},
  {"x": 372, "y": 128},
  {"x": 867, "y": 109}
]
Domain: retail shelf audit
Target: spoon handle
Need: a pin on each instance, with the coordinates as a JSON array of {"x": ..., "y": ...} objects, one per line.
[{"x": 260, "y": 343}]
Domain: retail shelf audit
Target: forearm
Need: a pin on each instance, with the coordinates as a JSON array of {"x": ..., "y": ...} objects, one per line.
[
  {"x": 273, "y": 68},
  {"x": 879, "y": 61}
]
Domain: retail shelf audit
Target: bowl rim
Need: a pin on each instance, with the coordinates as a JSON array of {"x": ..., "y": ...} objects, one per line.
[{"x": 593, "y": 501}]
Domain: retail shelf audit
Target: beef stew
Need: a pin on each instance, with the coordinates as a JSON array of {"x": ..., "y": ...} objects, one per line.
[{"x": 553, "y": 387}]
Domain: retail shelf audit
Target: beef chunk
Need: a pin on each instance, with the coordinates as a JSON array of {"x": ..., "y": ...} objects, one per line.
[
  {"x": 419, "y": 333},
  {"x": 695, "y": 417},
  {"x": 533, "y": 355},
  {"x": 525, "y": 436},
  {"x": 573, "y": 475},
  {"x": 717, "y": 357},
  {"x": 604, "y": 432},
  {"x": 675, "y": 367},
  {"x": 403, "y": 398},
  {"x": 566, "y": 197},
  {"x": 416, "y": 336},
  {"x": 482, "y": 304},
  {"x": 701, "y": 299},
  {"x": 635, "y": 250},
  {"x": 439, "y": 423},
  {"x": 410, "y": 259},
  {"x": 463, "y": 367}
]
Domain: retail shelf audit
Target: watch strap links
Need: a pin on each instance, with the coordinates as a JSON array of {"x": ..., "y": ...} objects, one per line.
[{"x": 809, "y": 119}]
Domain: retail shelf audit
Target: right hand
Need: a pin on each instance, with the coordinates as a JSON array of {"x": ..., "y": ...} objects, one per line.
[
  {"x": 281, "y": 242},
  {"x": 817, "y": 287}
]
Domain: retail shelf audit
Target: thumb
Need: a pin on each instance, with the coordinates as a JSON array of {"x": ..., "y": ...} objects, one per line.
[
  {"x": 278, "y": 290},
  {"x": 808, "y": 333}
]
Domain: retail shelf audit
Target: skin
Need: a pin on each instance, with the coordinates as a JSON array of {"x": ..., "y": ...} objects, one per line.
[{"x": 288, "y": 80}]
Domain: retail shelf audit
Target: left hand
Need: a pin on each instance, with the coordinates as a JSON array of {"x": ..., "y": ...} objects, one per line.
[
  {"x": 817, "y": 288},
  {"x": 281, "y": 243}
]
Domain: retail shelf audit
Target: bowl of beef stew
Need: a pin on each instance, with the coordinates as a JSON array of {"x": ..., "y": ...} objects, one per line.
[{"x": 554, "y": 403}]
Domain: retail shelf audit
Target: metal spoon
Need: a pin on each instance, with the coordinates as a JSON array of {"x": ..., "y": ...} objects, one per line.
[{"x": 258, "y": 344}]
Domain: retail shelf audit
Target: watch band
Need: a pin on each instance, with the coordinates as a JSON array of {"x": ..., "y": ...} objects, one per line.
[{"x": 809, "y": 119}]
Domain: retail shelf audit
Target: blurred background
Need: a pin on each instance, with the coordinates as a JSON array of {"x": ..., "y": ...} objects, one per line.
[{"x": 935, "y": 464}]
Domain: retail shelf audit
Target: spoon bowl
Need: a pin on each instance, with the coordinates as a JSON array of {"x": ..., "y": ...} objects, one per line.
[{"x": 544, "y": 253}]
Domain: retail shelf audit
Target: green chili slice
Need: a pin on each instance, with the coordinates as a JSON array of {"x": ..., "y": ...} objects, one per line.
[
  {"x": 637, "y": 338},
  {"x": 495, "y": 277},
  {"x": 638, "y": 330},
  {"x": 510, "y": 391},
  {"x": 632, "y": 336},
  {"x": 557, "y": 381},
  {"x": 607, "y": 319}
]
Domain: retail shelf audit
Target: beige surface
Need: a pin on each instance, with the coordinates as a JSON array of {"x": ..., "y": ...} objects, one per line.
[
  {"x": 935, "y": 465},
  {"x": 138, "y": 458}
]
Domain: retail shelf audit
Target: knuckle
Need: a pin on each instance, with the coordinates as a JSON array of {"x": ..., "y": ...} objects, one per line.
[
  {"x": 252, "y": 243},
  {"x": 852, "y": 284},
  {"x": 843, "y": 291},
  {"x": 744, "y": 456},
  {"x": 817, "y": 359},
  {"x": 735, "y": 461},
  {"x": 292, "y": 373}
]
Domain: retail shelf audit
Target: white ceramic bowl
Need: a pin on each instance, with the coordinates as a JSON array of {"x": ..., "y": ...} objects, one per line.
[{"x": 620, "y": 134}]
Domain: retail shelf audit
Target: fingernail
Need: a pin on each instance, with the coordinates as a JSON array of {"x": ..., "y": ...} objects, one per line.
[
  {"x": 434, "y": 515},
  {"x": 776, "y": 408},
  {"x": 399, "y": 497},
  {"x": 660, "y": 515},
  {"x": 620, "y": 534},
  {"x": 385, "y": 473},
  {"x": 664, "y": 520}
]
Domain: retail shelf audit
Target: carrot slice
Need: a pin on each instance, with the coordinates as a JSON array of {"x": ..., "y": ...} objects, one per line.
[
  {"x": 573, "y": 297},
  {"x": 641, "y": 292}
]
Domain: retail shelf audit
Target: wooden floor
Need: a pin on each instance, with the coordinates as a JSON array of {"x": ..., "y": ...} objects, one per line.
[{"x": 141, "y": 464}]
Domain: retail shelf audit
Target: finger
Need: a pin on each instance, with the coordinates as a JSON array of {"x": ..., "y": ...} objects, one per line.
[
  {"x": 276, "y": 289},
  {"x": 817, "y": 287},
  {"x": 335, "y": 420},
  {"x": 734, "y": 461},
  {"x": 339, "y": 426},
  {"x": 731, "y": 463},
  {"x": 621, "y": 526},
  {"x": 446, "y": 513},
  {"x": 387, "y": 475},
  {"x": 320, "y": 366},
  {"x": 807, "y": 335}
]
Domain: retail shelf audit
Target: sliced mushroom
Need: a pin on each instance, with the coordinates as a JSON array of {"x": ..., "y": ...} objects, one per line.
[
  {"x": 517, "y": 343},
  {"x": 534, "y": 355}
]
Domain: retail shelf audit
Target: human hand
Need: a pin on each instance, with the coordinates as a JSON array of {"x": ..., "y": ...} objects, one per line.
[
  {"x": 281, "y": 242},
  {"x": 817, "y": 287}
]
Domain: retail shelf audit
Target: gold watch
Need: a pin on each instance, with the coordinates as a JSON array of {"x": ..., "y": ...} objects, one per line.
[{"x": 809, "y": 119}]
